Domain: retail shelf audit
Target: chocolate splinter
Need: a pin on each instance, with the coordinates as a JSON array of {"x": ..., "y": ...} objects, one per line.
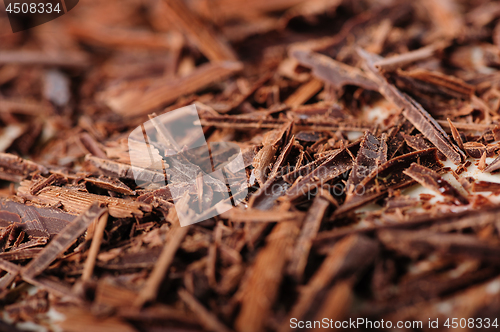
[
  {"x": 414, "y": 112},
  {"x": 63, "y": 241},
  {"x": 432, "y": 180}
]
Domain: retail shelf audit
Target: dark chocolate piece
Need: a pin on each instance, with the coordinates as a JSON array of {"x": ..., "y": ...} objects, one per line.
[
  {"x": 371, "y": 154},
  {"x": 432, "y": 180},
  {"x": 388, "y": 176},
  {"x": 62, "y": 241},
  {"x": 334, "y": 72},
  {"x": 495, "y": 164},
  {"x": 414, "y": 112}
]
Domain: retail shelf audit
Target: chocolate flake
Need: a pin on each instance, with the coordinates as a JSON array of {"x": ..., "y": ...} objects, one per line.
[
  {"x": 325, "y": 226},
  {"x": 62, "y": 241},
  {"x": 432, "y": 180},
  {"x": 495, "y": 164},
  {"x": 372, "y": 153},
  {"x": 414, "y": 112}
]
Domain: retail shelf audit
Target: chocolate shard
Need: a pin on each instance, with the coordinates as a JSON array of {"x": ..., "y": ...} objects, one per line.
[
  {"x": 495, "y": 164},
  {"x": 42, "y": 183},
  {"x": 331, "y": 71},
  {"x": 481, "y": 186},
  {"x": 110, "y": 184},
  {"x": 35, "y": 221},
  {"x": 414, "y": 112},
  {"x": 416, "y": 142},
  {"x": 353, "y": 253},
  {"x": 404, "y": 59},
  {"x": 371, "y": 154},
  {"x": 265, "y": 198},
  {"x": 63, "y": 241},
  {"x": 388, "y": 176},
  {"x": 266, "y": 276},
  {"x": 395, "y": 138},
  {"x": 275, "y": 186},
  {"x": 310, "y": 228},
  {"x": 14, "y": 168},
  {"x": 449, "y": 86},
  {"x": 34, "y": 242},
  {"x": 456, "y": 135},
  {"x": 476, "y": 149},
  {"x": 135, "y": 260},
  {"x": 432, "y": 180},
  {"x": 282, "y": 158},
  {"x": 415, "y": 243},
  {"x": 336, "y": 164},
  {"x": 272, "y": 142},
  {"x": 292, "y": 176},
  {"x": 77, "y": 202}
]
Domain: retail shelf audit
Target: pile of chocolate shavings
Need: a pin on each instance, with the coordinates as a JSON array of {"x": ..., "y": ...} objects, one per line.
[{"x": 370, "y": 137}]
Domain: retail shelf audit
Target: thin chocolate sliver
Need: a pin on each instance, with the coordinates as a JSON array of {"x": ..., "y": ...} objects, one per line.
[
  {"x": 432, "y": 180},
  {"x": 372, "y": 153},
  {"x": 63, "y": 240},
  {"x": 414, "y": 112}
]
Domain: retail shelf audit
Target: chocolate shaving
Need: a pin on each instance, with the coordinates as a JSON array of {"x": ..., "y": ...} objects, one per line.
[
  {"x": 447, "y": 85},
  {"x": 143, "y": 259},
  {"x": 110, "y": 184},
  {"x": 334, "y": 165},
  {"x": 150, "y": 290},
  {"x": 271, "y": 143},
  {"x": 270, "y": 123},
  {"x": 350, "y": 253},
  {"x": 260, "y": 291},
  {"x": 163, "y": 92},
  {"x": 419, "y": 117},
  {"x": 214, "y": 47},
  {"x": 417, "y": 243},
  {"x": 52, "y": 179},
  {"x": 372, "y": 153},
  {"x": 205, "y": 318},
  {"x": 13, "y": 168},
  {"x": 432, "y": 180},
  {"x": 495, "y": 164},
  {"x": 416, "y": 142},
  {"x": 477, "y": 150},
  {"x": 62, "y": 241},
  {"x": 20, "y": 254},
  {"x": 404, "y": 59},
  {"x": 387, "y": 176},
  {"x": 310, "y": 227},
  {"x": 35, "y": 221},
  {"x": 456, "y": 136},
  {"x": 482, "y": 186},
  {"x": 77, "y": 202}
]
